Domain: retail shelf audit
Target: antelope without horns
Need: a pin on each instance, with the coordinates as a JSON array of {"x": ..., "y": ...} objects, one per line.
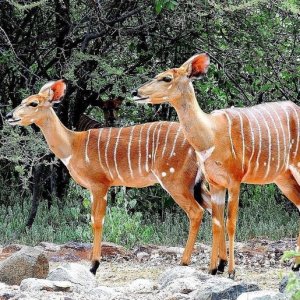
[
  {"x": 257, "y": 145},
  {"x": 136, "y": 156}
]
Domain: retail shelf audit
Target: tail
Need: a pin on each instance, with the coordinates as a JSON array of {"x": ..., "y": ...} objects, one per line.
[{"x": 201, "y": 193}]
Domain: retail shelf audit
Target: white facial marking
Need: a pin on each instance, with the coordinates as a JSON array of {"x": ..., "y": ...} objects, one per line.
[
  {"x": 86, "y": 147},
  {"x": 36, "y": 110},
  {"x": 218, "y": 198},
  {"x": 170, "y": 86},
  {"x": 172, "y": 170},
  {"x": 32, "y": 120},
  {"x": 66, "y": 160},
  {"x": 166, "y": 98},
  {"x": 163, "y": 174}
]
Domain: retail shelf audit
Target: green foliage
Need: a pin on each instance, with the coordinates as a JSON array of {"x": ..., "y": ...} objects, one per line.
[
  {"x": 168, "y": 4},
  {"x": 293, "y": 285}
]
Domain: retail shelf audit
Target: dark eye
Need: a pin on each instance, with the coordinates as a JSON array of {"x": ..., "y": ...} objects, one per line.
[
  {"x": 167, "y": 79},
  {"x": 33, "y": 104}
]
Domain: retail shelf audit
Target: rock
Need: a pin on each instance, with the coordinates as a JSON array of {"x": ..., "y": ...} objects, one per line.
[
  {"x": 50, "y": 246},
  {"x": 12, "y": 248},
  {"x": 34, "y": 284},
  {"x": 111, "y": 249},
  {"x": 142, "y": 256},
  {"x": 141, "y": 286},
  {"x": 26, "y": 263},
  {"x": 179, "y": 272},
  {"x": 263, "y": 295},
  {"x": 198, "y": 285},
  {"x": 77, "y": 274},
  {"x": 104, "y": 293}
]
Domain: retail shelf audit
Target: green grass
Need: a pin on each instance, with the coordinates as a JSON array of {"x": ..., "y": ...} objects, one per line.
[{"x": 69, "y": 220}]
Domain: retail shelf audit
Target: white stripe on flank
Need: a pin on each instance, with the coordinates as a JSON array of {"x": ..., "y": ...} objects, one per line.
[
  {"x": 175, "y": 140},
  {"x": 244, "y": 112},
  {"x": 270, "y": 142},
  {"x": 229, "y": 132},
  {"x": 140, "y": 150},
  {"x": 86, "y": 147},
  {"x": 128, "y": 151},
  {"x": 105, "y": 154},
  {"x": 289, "y": 134},
  {"x": 282, "y": 129},
  {"x": 243, "y": 137},
  {"x": 153, "y": 144},
  {"x": 297, "y": 131},
  {"x": 98, "y": 146},
  {"x": 147, "y": 147},
  {"x": 166, "y": 138},
  {"x": 259, "y": 138},
  {"x": 157, "y": 140},
  {"x": 115, "y": 154},
  {"x": 277, "y": 134}
]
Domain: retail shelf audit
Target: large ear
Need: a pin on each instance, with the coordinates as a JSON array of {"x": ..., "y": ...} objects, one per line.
[
  {"x": 197, "y": 65},
  {"x": 55, "y": 90}
]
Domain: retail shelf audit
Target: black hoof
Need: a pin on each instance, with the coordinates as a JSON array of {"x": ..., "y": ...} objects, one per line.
[
  {"x": 94, "y": 267},
  {"x": 222, "y": 265},
  {"x": 296, "y": 267},
  {"x": 184, "y": 264},
  {"x": 232, "y": 275},
  {"x": 213, "y": 271}
]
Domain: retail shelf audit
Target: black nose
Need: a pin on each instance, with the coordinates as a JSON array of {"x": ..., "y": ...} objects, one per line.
[
  {"x": 134, "y": 93},
  {"x": 9, "y": 116}
]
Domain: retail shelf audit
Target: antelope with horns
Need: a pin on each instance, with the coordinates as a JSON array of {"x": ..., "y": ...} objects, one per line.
[
  {"x": 257, "y": 145},
  {"x": 136, "y": 156}
]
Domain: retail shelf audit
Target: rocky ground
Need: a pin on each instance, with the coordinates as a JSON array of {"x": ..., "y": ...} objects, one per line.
[{"x": 145, "y": 267}]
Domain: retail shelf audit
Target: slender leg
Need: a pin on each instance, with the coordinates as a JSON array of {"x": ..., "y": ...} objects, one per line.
[
  {"x": 291, "y": 189},
  {"x": 184, "y": 198},
  {"x": 233, "y": 205},
  {"x": 99, "y": 201},
  {"x": 222, "y": 246},
  {"x": 218, "y": 202}
]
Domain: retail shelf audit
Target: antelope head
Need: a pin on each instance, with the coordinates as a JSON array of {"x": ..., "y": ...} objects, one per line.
[
  {"x": 34, "y": 108},
  {"x": 171, "y": 85}
]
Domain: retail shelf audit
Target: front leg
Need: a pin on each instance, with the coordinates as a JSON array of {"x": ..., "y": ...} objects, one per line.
[
  {"x": 99, "y": 202},
  {"x": 232, "y": 214},
  {"x": 218, "y": 201}
]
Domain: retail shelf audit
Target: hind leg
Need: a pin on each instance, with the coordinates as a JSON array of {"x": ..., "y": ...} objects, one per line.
[
  {"x": 291, "y": 189},
  {"x": 185, "y": 199}
]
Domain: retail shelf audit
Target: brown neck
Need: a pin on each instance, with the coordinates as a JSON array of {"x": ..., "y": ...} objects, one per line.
[
  {"x": 58, "y": 137},
  {"x": 197, "y": 125}
]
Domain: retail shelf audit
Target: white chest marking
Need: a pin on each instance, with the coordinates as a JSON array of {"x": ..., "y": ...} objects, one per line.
[{"x": 66, "y": 160}]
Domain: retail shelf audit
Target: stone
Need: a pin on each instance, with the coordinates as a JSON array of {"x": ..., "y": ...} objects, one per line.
[
  {"x": 141, "y": 286},
  {"x": 263, "y": 295},
  {"x": 34, "y": 284},
  {"x": 142, "y": 256},
  {"x": 12, "y": 248},
  {"x": 179, "y": 272},
  {"x": 77, "y": 274},
  {"x": 51, "y": 247},
  {"x": 104, "y": 293},
  {"x": 26, "y": 263}
]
